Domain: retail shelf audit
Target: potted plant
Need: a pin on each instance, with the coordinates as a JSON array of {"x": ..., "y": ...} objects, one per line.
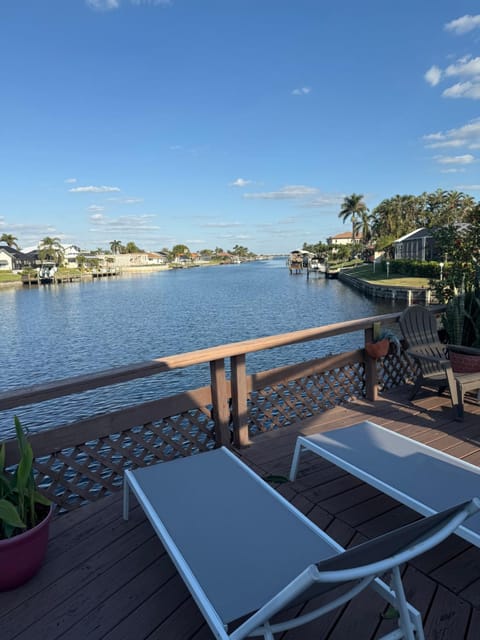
[
  {"x": 25, "y": 516},
  {"x": 461, "y": 322},
  {"x": 382, "y": 341}
]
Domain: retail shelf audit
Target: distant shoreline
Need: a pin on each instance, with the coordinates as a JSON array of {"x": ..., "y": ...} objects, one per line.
[{"x": 134, "y": 269}]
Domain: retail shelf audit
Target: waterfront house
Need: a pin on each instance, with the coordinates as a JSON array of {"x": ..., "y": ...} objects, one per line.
[
  {"x": 416, "y": 245},
  {"x": 14, "y": 260},
  {"x": 343, "y": 238},
  {"x": 140, "y": 259}
]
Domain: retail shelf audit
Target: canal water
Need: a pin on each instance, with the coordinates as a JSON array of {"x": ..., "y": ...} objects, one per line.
[{"x": 55, "y": 331}]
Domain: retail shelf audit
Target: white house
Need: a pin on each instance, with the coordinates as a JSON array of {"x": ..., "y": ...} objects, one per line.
[{"x": 343, "y": 238}]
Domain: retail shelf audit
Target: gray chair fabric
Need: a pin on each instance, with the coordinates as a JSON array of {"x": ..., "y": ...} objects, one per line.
[{"x": 246, "y": 553}]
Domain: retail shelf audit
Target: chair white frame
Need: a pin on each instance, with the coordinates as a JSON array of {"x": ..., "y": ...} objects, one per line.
[{"x": 258, "y": 624}]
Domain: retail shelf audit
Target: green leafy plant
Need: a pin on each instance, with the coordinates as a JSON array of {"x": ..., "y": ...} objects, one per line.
[
  {"x": 461, "y": 319},
  {"x": 20, "y": 501},
  {"x": 380, "y": 334}
]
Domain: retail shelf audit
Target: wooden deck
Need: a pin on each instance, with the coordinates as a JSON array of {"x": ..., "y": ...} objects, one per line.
[{"x": 106, "y": 578}]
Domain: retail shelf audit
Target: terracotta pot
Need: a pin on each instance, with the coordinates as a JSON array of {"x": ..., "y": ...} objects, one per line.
[
  {"x": 22, "y": 556},
  {"x": 378, "y": 349},
  {"x": 464, "y": 362}
]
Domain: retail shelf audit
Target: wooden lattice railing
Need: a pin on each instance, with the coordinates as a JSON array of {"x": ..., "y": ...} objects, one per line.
[{"x": 81, "y": 462}]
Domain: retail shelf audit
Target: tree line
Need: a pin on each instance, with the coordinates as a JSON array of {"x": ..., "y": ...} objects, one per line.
[
  {"x": 50, "y": 248},
  {"x": 399, "y": 215}
]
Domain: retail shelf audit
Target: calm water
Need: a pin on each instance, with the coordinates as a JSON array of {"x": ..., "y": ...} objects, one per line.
[{"x": 53, "y": 332}]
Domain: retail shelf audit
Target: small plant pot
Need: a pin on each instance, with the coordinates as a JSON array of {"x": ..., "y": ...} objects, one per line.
[
  {"x": 22, "y": 556},
  {"x": 378, "y": 349}
]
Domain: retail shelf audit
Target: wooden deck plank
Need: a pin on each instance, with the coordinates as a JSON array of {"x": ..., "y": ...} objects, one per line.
[
  {"x": 448, "y": 617},
  {"x": 106, "y": 578}
]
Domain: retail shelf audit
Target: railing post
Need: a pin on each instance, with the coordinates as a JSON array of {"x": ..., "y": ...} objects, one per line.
[
  {"x": 239, "y": 401},
  {"x": 371, "y": 381},
  {"x": 221, "y": 411}
]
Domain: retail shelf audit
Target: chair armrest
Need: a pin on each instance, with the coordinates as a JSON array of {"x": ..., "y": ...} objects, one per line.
[
  {"x": 461, "y": 349},
  {"x": 442, "y": 362}
]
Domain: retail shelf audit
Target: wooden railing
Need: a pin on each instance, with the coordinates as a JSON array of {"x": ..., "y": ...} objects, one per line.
[{"x": 80, "y": 462}]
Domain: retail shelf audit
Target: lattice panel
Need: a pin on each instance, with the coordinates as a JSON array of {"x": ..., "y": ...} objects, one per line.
[
  {"x": 282, "y": 404},
  {"x": 393, "y": 371},
  {"x": 86, "y": 472}
]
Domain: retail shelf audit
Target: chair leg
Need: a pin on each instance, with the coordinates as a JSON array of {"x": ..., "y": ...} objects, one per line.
[
  {"x": 404, "y": 622},
  {"x": 460, "y": 394},
  {"x": 416, "y": 387},
  {"x": 452, "y": 386}
]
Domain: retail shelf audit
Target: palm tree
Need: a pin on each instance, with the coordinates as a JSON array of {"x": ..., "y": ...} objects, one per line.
[
  {"x": 116, "y": 246},
  {"x": 364, "y": 226},
  {"x": 352, "y": 207},
  {"x": 51, "y": 249},
  {"x": 10, "y": 240}
]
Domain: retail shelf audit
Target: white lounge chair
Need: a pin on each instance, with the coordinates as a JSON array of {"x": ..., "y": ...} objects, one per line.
[
  {"x": 246, "y": 554},
  {"x": 423, "y": 478}
]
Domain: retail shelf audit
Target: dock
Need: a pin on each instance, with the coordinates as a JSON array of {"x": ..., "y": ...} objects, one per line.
[{"x": 34, "y": 279}]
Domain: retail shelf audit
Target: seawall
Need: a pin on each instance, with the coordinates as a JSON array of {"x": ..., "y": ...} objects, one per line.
[{"x": 411, "y": 295}]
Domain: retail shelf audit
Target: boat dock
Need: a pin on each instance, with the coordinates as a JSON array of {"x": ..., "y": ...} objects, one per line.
[{"x": 35, "y": 279}]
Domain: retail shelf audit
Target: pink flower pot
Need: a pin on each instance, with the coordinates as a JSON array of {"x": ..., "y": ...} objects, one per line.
[{"x": 22, "y": 556}]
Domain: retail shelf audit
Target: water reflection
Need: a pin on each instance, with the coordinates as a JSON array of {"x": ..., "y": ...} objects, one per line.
[{"x": 51, "y": 332}]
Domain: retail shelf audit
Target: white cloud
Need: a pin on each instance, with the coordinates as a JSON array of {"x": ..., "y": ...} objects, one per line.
[
  {"x": 466, "y": 66},
  {"x": 326, "y": 200},
  {"x": 240, "y": 182},
  {"x": 464, "y": 90},
  {"x": 126, "y": 200},
  {"x": 70, "y": 181},
  {"x": 92, "y": 189},
  {"x": 452, "y": 170},
  {"x": 154, "y": 3},
  {"x": 467, "y": 135},
  {"x": 465, "y": 159},
  {"x": 123, "y": 223},
  {"x": 468, "y": 187},
  {"x": 302, "y": 91},
  {"x": 446, "y": 144},
  {"x": 94, "y": 208},
  {"x": 467, "y": 69},
  {"x": 221, "y": 225},
  {"x": 463, "y": 25},
  {"x": 103, "y": 5},
  {"x": 108, "y": 5},
  {"x": 433, "y": 76},
  {"x": 285, "y": 193}
]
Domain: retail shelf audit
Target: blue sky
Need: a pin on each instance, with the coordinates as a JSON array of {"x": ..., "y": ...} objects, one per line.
[{"x": 220, "y": 122}]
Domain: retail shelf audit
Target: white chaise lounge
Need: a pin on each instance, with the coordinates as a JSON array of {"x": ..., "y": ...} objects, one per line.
[
  {"x": 423, "y": 478},
  {"x": 246, "y": 554}
]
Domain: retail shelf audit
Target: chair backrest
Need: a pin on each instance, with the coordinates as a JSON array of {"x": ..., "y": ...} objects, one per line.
[
  {"x": 362, "y": 563},
  {"x": 419, "y": 329}
]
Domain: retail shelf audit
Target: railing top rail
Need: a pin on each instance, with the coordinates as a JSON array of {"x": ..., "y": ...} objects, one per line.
[{"x": 78, "y": 384}]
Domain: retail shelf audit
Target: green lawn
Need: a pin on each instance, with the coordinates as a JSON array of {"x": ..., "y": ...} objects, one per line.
[
  {"x": 8, "y": 276},
  {"x": 379, "y": 276}
]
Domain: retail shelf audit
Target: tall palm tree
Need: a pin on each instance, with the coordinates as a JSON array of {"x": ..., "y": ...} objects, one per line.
[
  {"x": 364, "y": 226},
  {"x": 10, "y": 240},
  {"x": 352, "y": 207},
  {"x": 116, "y": 246},
  {"x": 51, "y": 249}
]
